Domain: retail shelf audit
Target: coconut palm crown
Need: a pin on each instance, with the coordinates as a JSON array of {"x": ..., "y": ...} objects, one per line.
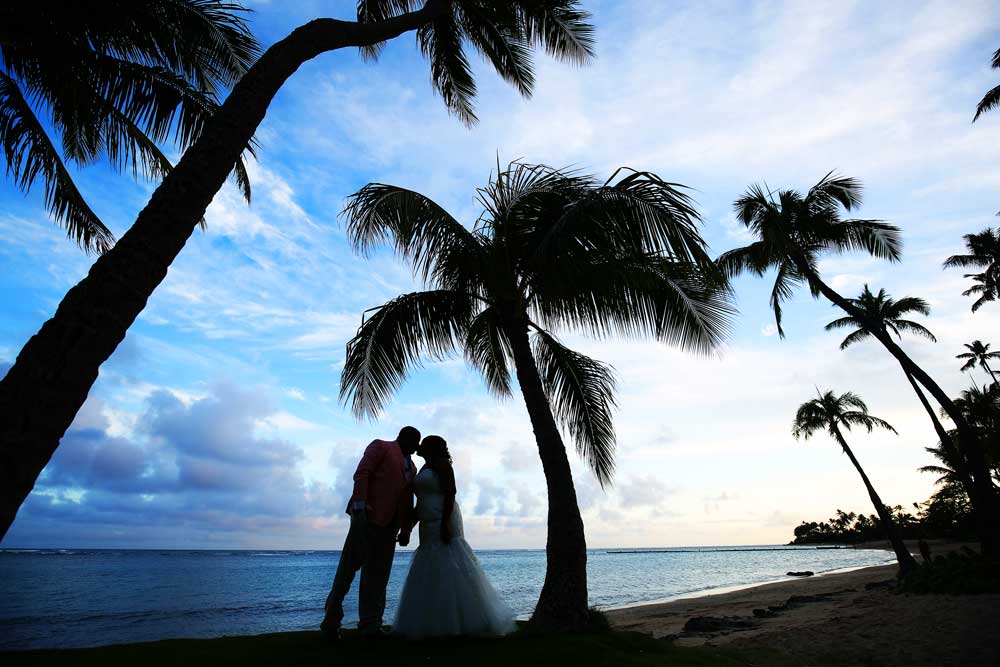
[
  {"x": 882, "y": 309},
  {"x": 111, "y": 79},
  {"x": 794, "y": 231},
  {"x": 983, "y": 253},
  {"x": 553, "y": 249},
  {"x": 831, "y": 412},
  {"x": 978, "y": 353}
]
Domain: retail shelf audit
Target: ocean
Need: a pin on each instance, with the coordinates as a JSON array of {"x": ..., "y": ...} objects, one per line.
[{"x": 77, "y": 597}]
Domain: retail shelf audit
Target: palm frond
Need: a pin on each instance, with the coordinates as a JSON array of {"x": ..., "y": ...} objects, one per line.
[
  {"x": 785, "y": 282},
  {"x": 242, "y": 178},
  {"x": 909, "y": 304},
  {"x": 843, "y": 322},
  {"x": 990, "y": 100},
  {"x": 373, "y": 11},
  {"x": 560, "y": 27},
  {"x": 809, "y": 418},
  {"x": 866, "y": 420},
  {"x": 880, "y": 239},
  {"x": 832, "y": 190},
  {"x": 752, "y": 258},
  {"x": 965, "y": 261},
  {"x": 854, "y": 337},
  {"x": 581, "y": 393},
  {"x": 492, "y": 30},
  {"x": 636, "y": 213},
  {"x": 488, "y": 351},
  {"x": 420, "y": 231},
  {"x": 451, "y": 75},
  {"x": 394, "y": 339},
  {"x": 914, "y": 328},
  {"x": 637, "y": 296},
  {"x": 30, "y": 153}
]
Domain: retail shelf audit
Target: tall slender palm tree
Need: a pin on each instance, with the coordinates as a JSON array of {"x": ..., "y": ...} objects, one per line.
[
  {"x": 984, "y": 253},
  {"x": 793, "y": 231},
  {"x": 113, "y": 79},
  {"x": 553, "y": 250},
  {"x": 978, "y": 353},
  {"x": 832, "y": 413},
  {"x": 992, "y": 97},
  {"x": 888, "y": 313},
  {"x": 49, "y": 381}
]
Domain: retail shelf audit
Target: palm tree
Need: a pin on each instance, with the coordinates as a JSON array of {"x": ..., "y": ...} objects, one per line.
[
  {"x": 832, "y": 413},
  {"x": 793, "y": 231},
  {"x": 884, "y": 309},
  {"x": 978, "y": 353},
  {"x": 886, "y": 312},
  {"x": 113, "y": 79},
  {"x": 947, "y": 470},
  {"x": 553, "y": 250},
  {"x": 992, "y": 97},
  {"x": 984, "y": 253},
  {"x": 49, "y": 381}
]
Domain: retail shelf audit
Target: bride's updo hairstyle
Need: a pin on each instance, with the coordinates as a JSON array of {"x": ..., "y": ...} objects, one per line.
[{"x": 434, "y": 449}]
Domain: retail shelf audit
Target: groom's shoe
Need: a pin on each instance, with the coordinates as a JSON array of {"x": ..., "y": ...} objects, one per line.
[
  {"x": 373, "y": 631},
  {"x": 330, "y": 630}
]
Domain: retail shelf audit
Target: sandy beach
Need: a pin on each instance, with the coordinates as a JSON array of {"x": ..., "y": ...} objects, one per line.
[{"x": 848, "y": 617}]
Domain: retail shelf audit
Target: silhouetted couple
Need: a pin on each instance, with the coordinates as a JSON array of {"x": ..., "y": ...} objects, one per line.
[{"x": 446, "y": 593}]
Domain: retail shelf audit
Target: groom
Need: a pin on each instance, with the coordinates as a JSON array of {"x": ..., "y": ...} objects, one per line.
[{"x": 380, "y": 509}]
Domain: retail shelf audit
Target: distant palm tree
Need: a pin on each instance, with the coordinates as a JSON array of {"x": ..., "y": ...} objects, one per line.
[
  {"x": 113, "y": 79},
  {"x": 49, "y": 381},
  {"x": 831, "y": 413},
  {"x": 978, "y": 353},
  {"x": 992, "y": 97},
  {"x": 984, "y": 253},
  {"x": 552, "y": 250},
  {"x": 793, "y": 231},
  {"x": 884, "y": 311}
]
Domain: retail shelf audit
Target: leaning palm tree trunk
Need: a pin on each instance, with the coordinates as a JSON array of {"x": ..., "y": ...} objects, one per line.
[
  {"x": 903, "y": 557},
  {"x": 50, "y": 379},
  {"x": 946, "y": 440},
  {"x": 990, "y": 371},
  {"x": 563, "y": 600},
  {"x": 985, "y": 499}
]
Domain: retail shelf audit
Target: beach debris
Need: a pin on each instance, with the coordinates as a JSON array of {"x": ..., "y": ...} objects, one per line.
[{"x": 803, "y": 573}]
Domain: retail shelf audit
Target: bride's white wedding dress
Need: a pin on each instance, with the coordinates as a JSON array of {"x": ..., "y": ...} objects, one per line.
[{"x": 446, "y": 593}]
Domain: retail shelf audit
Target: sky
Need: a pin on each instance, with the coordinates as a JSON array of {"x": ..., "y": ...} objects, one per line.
[{"x": 216, "y": 423}]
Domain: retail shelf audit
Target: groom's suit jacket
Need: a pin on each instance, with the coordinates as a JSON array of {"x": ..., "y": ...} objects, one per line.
[{"x": 383, "y": 483}]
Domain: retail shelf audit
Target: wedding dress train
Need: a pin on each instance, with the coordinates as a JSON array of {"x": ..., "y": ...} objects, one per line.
[{"x": 446, "y": 593}]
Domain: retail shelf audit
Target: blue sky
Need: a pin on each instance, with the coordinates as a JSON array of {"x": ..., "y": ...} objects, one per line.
[{"x": 216, "y": 423}]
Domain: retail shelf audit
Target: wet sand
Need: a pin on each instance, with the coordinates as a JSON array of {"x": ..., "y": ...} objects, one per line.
[{"x": 851, "y": 618}]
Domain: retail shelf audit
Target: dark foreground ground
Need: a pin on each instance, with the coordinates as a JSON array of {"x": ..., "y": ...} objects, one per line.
[{"x": 612, "y": 649}]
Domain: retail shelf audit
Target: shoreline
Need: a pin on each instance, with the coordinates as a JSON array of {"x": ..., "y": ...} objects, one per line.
[{"x": 735, "y": 588}]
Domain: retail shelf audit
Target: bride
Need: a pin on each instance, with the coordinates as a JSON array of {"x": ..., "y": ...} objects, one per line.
[{"x": 446, "y": 593}]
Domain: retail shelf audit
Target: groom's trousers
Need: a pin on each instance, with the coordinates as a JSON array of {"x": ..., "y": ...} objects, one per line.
[{"x": 369, "y": 548}]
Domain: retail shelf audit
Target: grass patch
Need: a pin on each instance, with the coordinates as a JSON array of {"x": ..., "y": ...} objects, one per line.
[{"x": 613, "y": 649}]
